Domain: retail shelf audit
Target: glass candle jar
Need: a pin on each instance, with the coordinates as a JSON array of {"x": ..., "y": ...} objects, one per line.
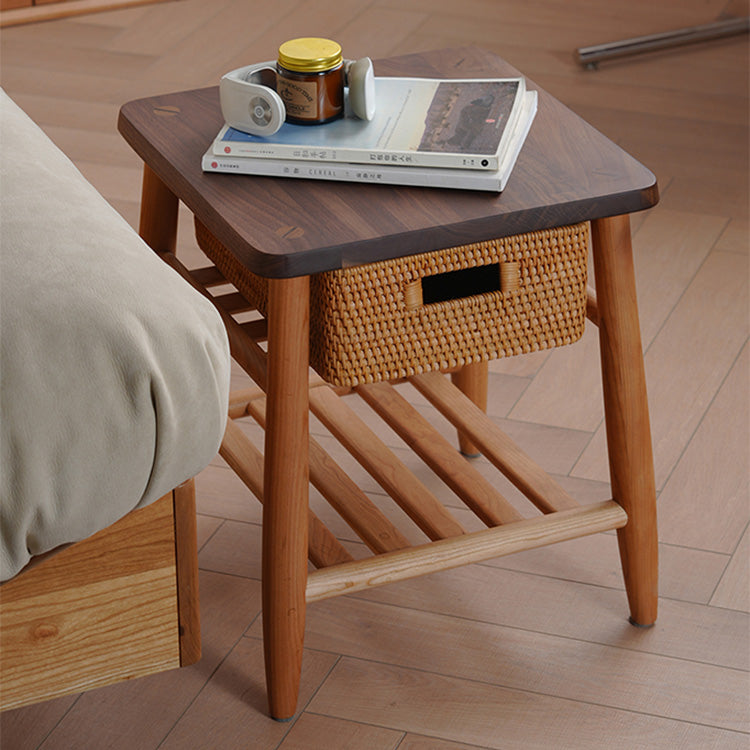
[{"x": 310, "y": 80}]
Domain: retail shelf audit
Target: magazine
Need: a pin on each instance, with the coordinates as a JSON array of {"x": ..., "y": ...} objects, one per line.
[
  {"x": 387, "y": 174},
  {"x": 421, "y": 122}
]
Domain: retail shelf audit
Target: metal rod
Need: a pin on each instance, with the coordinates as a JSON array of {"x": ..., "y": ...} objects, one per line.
[{"x": 589, "y": 56}]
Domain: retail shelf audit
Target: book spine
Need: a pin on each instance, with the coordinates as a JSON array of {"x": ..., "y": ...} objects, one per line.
[
  {"x": 342, "y": 172},
  {"x": 372, "y": 159}
]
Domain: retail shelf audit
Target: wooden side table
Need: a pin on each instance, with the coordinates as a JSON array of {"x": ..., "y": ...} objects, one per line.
[{"x": 284, "y": 231}]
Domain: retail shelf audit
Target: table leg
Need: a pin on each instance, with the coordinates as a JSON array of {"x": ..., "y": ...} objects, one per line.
[
  {"x": 626, "y": 413},
  {"x": 158, "y": 219},
  {"x": 285, "y": 503},
  {"x": 471, "y": 380}
]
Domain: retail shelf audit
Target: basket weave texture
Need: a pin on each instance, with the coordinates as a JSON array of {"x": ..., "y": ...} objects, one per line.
[{"x": 365, "y": 325}]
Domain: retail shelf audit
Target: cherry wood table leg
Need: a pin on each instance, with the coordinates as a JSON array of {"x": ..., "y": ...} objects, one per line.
[
  {"x": 158, "y": 218},
  {"x": 472, "y": 380},
  {"x": 626, "y": 413},
  {"x": 285, "y": 505}
]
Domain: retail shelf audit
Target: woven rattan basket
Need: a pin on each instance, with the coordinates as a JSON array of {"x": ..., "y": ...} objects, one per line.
[{"x": 437, "y": 310}]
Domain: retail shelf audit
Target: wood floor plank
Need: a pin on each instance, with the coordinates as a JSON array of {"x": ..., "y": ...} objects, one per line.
[
  {"x": 640, "y": 12},
  {"x": 615, "y": 90},
  {"x": 717, "y": 145},
  {"x": 523, "y": 366},
  {"x": 25, "y": 728},
  {"x": 73, "y": 59},
  {"x": 330, "y": 15},
  {"x": 113, "y": 181},
  {"x": 158, "y": 32},
  {"x": 733, "y": 590},
  {"x": 669, "y": 249},
  {"x": 376, "y": 31},
  {"x": 78, "y": 33},
  {"x": 69, "y": 113},
  {"x": 207, "y": 527},
  {"x": 575, "y": 399},
  {"x": 221, "y": 494},
  {"x": 200, "y": 55},
  {"x": 687, "y": 362},
  {"x": 98, "y": 147},
  {"x": 419, "y": 742},
  {"x": 79, "y": 85},
  {"x": 723, "y": 193},
  {"x": 494, "y": 717},
  {"x": 231, "y": 711},
  {"x": 735, "y": 237},
  {"x": 234, "y": 549},
  {"x": 706, "y": 502},
  {"x": 693, "y": 632},
  {"x": 608, "y": 675},
  {"x": 121, "y": 18},
  {"x": 685, "y": 574},
  {"x": 313, "y": 732}
]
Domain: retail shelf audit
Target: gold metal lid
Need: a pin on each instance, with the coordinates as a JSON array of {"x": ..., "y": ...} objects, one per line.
[{"x": 310, "y": 55}]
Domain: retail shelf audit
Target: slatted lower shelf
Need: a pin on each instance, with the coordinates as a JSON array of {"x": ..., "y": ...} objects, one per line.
[{"x": 394, "y": 558}]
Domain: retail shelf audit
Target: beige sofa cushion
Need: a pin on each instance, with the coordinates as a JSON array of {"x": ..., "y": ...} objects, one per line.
[{"x": 114, "y": 372}]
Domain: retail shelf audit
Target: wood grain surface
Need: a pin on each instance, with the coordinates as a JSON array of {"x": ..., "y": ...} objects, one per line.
[{"x": 567, "y": 172}]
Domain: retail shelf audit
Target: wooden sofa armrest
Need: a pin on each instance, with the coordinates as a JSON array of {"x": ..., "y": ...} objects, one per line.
[{"x": 120, "y": 604}]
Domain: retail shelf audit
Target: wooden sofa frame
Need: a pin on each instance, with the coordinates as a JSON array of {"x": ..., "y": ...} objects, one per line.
[{"x": 121, "y": 604}]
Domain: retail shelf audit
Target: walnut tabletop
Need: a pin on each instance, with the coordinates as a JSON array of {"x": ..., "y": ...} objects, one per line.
[{"x": 280, "y": 227}]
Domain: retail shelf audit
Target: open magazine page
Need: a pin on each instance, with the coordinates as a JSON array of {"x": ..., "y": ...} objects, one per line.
[{"x": 418, "y": 121}]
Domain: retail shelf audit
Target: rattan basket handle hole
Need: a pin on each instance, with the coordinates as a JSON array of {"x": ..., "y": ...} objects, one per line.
[{"x": 466, "y": 282}]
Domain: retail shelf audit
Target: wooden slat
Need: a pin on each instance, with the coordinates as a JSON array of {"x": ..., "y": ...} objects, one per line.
[
  {"x": 233, "y": 303},
  {"x": 239, "y": 401},
  {"x": 208, "y": 276},
  {"x": 476, "y": 491},
  {"x": 525, "y": 474},
  {"x": 352, "y": 504},
  {"x": 346, "y": 498},
  {"x": 410, "y": 494},
  {"x": 245, "y": 351},
  {"x": 475, "y": 547},
  {"x": 247, "y": 462},
  {"x": 256, "y": 329}
]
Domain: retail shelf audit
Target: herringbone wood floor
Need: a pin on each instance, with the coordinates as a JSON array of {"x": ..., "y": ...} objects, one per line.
[{"x": 532, "y": 651}]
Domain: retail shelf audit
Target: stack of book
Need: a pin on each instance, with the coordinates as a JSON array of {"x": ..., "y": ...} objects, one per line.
[{"x": 463, "y": 134}]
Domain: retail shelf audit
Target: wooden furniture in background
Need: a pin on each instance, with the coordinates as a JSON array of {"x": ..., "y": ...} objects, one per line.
[
  {"x": 15, "y": 12},
  {"x": 286, "y": 230},
  {"x": 120, "y": 604}
]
